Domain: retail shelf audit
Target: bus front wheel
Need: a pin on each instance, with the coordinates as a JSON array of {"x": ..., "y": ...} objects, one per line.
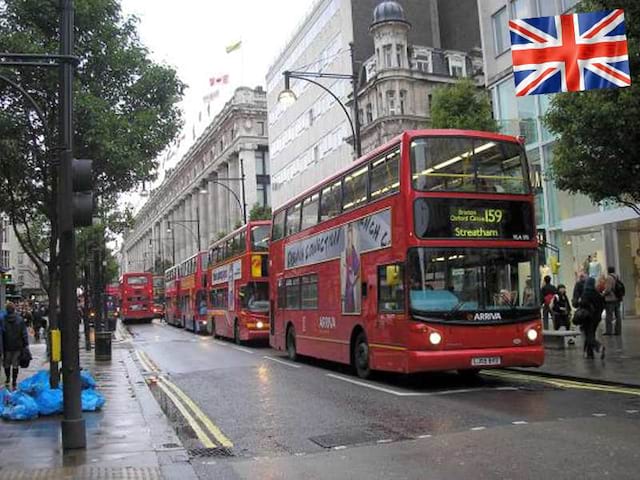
[
  {"x": 292, "y": 353},
  {"x": 361, "y": 356}
]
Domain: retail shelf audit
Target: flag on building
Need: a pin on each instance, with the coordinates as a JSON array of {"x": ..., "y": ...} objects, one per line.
[
  {"x": 210, "y": 97},
  {"x": 233, "y": 47},
  {"x": 570, "y": 53},
  {"x": 222, "y": 80}
]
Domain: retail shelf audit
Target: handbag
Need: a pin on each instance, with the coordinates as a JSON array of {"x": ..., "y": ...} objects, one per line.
[
  {"x": 581, "y": 317},
  {"x": 25, "y": 357}
]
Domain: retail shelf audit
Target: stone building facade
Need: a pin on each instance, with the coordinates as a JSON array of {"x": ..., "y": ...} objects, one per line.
[{"x": 204, "y": 192}]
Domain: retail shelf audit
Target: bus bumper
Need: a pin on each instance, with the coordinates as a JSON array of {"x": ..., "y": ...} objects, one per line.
[
  {"x": 424, "y": 361},
  {"x": 257, "y": 334}
]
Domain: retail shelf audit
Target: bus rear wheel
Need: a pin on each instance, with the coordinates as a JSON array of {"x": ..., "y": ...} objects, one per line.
[
  {"x": 361, "y": 356},
  {"x": 292, "y": 352}
]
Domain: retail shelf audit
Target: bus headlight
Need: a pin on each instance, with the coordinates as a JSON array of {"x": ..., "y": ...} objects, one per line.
[
  {"x": 435, "y": 338},
  {"x": 259, "y": 325},
  {"x": 532, "y": 335}
]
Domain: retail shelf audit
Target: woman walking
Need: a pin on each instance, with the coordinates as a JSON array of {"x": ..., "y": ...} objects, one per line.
[{"x": 593, "y": 302}]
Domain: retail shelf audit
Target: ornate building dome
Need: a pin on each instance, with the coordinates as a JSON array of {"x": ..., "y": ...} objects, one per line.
[{"x": 388, "y": 11}]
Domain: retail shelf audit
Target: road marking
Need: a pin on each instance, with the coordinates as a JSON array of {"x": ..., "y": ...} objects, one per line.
[
  {"x": 599, "y": 414},
  {"x": 145, "y": 365},
  {"x": 632, "y": 411},
  {"x": 477, "y": 429},
  {"x": 561, "y": 383},
  {"x": 385, "y": 440},
  {"x": 424, "y": 436},
  {"x": 245, "y": 350},
  {"x": 206, "y": 421},
  {"x": 520, "y": 422},
  {"x": 288, "y": 364},
  {"x": 418, "y": 394},
  {"x": 147, "y": 360},
  {"x": 203, "y": 437}
]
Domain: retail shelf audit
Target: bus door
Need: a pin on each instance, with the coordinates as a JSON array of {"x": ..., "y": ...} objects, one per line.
[
  {"x": 276, "y": 322},
  {"x": 390, "y": 300}
]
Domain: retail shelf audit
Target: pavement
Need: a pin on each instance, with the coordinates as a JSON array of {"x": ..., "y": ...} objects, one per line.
[
  {"x": 129, "y": 438},
  {"x": 621, "y": 364}
]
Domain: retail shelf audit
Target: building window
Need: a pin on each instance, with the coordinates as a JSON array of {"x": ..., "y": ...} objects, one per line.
[
  {"x": 456, "y": 66},
  {"x": 522, "y": 8},
  {"x": 260, "y": 127},
  {"x": 500, "y": 22},
  {"x": 262, "y": 167},
  {"x": 399, "y": 55},
  {"x": 4, "y": 259},
  {"x": 423, "y": 63},
  {"x": 311, "y": 116},
  {"x": 388, "y": 56},
  {"x": 20, "y": 258},
  {"x": 316, "y": 153},
  {"x": 369, "y": 113},
  {"x": 568, "y": 4},
  {"x": 391, "y": 102},
  {"x": 262, "y": 194},
  {"x": 403, "y": 101}
]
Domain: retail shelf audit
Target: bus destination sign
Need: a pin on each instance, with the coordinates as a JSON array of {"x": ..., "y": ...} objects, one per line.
[{"x": 472, "y": 219}]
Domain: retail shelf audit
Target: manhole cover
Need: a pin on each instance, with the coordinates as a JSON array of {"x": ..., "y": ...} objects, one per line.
[
  {"x": 210, "y": 452},
  {"x": 170, "y": 445},
  {"x": 345, "y": 438}
]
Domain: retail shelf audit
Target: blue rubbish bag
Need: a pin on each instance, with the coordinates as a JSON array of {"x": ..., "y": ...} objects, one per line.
[
  {"x": 91, "y": 400},
  {"x": 87, "y": 380},
  {"x": 20, "y": 407},
  {"x": 49, "y": 401},
  {"x": 5, "y": 396},
  {"x": 35, "y": 384}
]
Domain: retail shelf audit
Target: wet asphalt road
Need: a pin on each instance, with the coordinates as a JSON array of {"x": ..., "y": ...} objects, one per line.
[{"x": 315, "y": 420}]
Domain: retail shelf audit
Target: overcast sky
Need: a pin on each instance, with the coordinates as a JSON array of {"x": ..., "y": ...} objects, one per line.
[{"x": 191, "y": 36}]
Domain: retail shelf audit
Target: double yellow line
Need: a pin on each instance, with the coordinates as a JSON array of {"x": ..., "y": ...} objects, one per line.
[
  {"x": 207, "y": 432},
  {"x": 562, "y": 383}
]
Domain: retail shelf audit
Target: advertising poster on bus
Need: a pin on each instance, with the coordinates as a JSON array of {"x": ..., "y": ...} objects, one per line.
[{"x": 350, "y": 272}]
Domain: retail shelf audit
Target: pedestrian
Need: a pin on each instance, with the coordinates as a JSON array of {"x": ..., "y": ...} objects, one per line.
[
  {"x": 613, "y": 295},
  {"x": 547, "y": 292},
  {"x": 37, "y": 323},
  {"x": 561, "y": 309},
  {"x": 15, "y": 339},
  {"x": 578, "y": 288},
  {"x": 593, "y": 302},
  {"x": 3, "y": 314}
]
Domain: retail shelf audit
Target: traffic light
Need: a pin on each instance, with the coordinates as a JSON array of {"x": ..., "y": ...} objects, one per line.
[
  {"x": 82, "y": 175},
  {"x": 5, "y": 277}
]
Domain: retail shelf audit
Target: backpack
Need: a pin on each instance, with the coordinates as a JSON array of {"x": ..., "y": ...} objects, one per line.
[{"x": 618, "y": 288}]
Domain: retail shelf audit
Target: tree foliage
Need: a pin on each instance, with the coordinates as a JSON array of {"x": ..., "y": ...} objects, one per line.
[
  {"x": 598, "y": 130},
  {"x": 260, "y": 212},
  {"x": 125, "y": 113},
  {"x": 462, "y": 106}
]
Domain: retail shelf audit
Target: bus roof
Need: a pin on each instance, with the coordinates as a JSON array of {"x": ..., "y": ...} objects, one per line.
[
  {"x": 408, "y": 134},
  {"x": 251, "y": 223}
]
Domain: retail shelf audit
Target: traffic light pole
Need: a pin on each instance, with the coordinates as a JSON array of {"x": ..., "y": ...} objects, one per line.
[{"x": 73, "y": 425}]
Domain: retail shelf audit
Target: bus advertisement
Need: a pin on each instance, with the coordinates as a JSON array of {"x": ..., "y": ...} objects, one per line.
[
  {"x": 172, "y": 314},
  {"x": 239, "y": 283},
  {"x": 136, "y": 290},
  {"x": 192, "y": 293},
  {"x": 420, "y": 256}
]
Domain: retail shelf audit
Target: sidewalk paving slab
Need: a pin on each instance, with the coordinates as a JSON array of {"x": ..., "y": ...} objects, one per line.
[{"x": 127, "y": 439}]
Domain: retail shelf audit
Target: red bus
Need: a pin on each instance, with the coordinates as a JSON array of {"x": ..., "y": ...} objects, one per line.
[
  {"x": 136, "y": 290},
  {"x": 172, "y": 314},
  {"x": 239, "y": 283},
  {"x": 158, "y": 296},
  {"x": 420, "y": 256},
  {"x": 192, "y": 293}
]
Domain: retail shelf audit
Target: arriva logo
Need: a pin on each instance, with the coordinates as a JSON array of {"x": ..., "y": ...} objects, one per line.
[{"x": 481, "y": 317}]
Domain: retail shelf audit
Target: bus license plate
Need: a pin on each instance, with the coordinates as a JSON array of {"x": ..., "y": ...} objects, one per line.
[{"x": 485, "y": 361}]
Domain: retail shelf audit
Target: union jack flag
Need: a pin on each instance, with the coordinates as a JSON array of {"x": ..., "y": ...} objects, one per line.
[{"x": 570, "y": 53}]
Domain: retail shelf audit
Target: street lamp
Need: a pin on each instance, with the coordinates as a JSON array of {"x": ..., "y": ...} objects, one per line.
[{"x": 288, "y": 97}]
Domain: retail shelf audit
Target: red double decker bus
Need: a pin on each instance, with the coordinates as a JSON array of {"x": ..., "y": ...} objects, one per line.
[
  {"x": 192, "y": 293},
  {"x": 420, "y": 256},
  {"x": 172, "y": 313},
  {"x": 136, "y": 293},
  {"x": 239, "y": 283}
]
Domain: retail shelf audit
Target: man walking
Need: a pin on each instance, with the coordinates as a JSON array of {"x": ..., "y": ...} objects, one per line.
[
  {"x": 15, "y": 339},
  {"x": 547, "y": 294},
  {"x": 613, "y": 295}
]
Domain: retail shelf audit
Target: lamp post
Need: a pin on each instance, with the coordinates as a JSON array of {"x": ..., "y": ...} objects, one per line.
[{"x": 288, "y": 96}]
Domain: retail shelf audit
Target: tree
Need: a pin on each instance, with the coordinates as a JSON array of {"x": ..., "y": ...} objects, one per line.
[
  {"x": 598, "y": 141},
  {"x": 125, "y": 114},
  {"x": 462, "y": 106},
  {"x": 260, "y": 212}
]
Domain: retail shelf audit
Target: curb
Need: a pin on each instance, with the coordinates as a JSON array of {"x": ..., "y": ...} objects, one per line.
[{"x": 573, "y": 378}]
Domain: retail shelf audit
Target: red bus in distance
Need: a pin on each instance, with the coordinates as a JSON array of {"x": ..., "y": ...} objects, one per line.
[
  {"x": 420, "y": 256},
  {"x": 136, "y": 290},
  {"x": 192, "y": 292},
  {"x": 239, "y": 284},
  {"x": 172, "y": 314}
]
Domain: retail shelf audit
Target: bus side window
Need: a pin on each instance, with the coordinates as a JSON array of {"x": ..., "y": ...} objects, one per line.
[
  {"x": 391, "y": 288},
  {"x": 278, "y": 226},
  {"x": 330, "y": 202}
]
